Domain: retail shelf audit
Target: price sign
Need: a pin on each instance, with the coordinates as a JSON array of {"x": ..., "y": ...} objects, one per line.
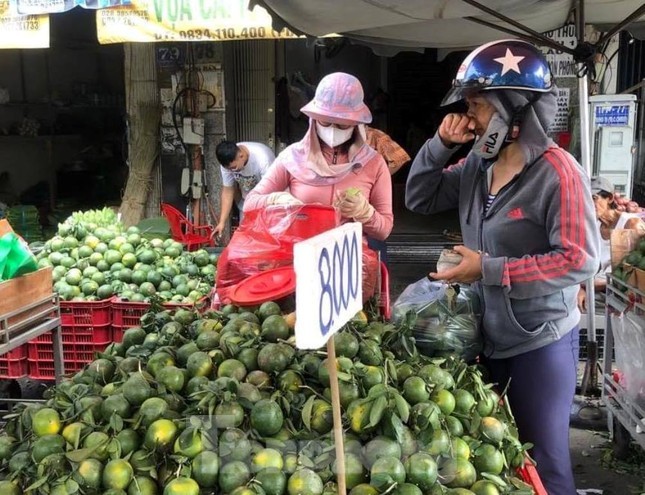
[{"x": 329, "y": 283}]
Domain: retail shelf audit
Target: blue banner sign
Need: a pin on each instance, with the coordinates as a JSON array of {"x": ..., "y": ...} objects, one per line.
[{"x": 614, "y": 115}]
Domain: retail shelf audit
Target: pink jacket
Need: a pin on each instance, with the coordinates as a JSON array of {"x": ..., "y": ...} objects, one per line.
[{"x": 372, "y": 178}]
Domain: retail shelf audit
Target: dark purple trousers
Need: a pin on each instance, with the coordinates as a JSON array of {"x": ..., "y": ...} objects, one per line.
[{"x": 541, "y": 392}]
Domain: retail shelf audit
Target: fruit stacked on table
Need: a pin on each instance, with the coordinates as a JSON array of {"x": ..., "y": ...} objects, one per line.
[
  {"x": 224, "y": 403},
  {"x": 94, "y": 257}
]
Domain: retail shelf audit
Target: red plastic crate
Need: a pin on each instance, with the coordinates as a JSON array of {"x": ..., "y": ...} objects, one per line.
[
  {"x": 82, "y": 334},
  {"x": 80, "y": 345},
  {"x": 44, "y": 370},
  {"x": 72, "y": 351},
  {"x": 85, "y": 313},
  {"x": 13, "y": 364},
  {"x": 126, "y": 314}
]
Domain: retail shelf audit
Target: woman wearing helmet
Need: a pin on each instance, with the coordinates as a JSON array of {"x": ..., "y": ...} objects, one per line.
[
  {"x": 331, "y": 159},
  {"x": 530, "y": 237}
]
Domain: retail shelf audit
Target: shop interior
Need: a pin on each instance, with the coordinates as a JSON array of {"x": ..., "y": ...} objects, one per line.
[{"x": 62, "y": 126}]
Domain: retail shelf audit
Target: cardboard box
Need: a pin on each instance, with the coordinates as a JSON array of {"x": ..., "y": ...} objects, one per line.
[
  {"x": 621, "y": 243},
  {"x": 22, "y": 291},
  {"x": 635, "y": 277}
]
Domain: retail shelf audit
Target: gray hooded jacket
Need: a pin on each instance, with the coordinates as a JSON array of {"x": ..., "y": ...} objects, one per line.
[{"x": 539, "y": 236}]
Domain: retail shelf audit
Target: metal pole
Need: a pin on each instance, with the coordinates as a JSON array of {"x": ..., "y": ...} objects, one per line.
[
  {"x": 640, "y": 137},
  {"x": 589, "y": 378},
  {"x": 537, "y": 36},
  {"x": 585, "y": 152},
  {"x": 585, "y": 160}
]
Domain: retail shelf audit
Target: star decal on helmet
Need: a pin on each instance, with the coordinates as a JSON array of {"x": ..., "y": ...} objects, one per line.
[{"x": 509, "y": 62}]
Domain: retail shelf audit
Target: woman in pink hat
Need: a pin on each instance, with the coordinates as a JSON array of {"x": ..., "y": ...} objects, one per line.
[{"x": 331, "y": 159}]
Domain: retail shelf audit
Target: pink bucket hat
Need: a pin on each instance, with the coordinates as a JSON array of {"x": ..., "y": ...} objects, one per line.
[{"x": 339, "y": 100}]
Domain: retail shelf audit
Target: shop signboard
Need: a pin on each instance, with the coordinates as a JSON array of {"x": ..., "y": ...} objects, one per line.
[
  {"x": 22, "y": 31},
  {"x": 561, "y": 63},
  {"x": 329, "y": 283},
  {"x": 35, "y": 7},
  {"x": 185, "y": 20}
]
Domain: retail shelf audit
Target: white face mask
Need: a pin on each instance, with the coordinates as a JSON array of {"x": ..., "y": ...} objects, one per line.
[
  {"x": 362, "y": 131},
  {"x": 489, "y": 144},
  {"x": 333, "y": 136}
]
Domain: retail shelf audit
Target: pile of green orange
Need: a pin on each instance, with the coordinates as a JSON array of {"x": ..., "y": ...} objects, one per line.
[
  {"x": 94, "y": 261},
  {"x": 225, "y": 404}
]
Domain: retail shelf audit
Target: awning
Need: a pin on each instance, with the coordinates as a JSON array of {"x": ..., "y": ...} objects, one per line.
[{"x": 438, "y": 23}]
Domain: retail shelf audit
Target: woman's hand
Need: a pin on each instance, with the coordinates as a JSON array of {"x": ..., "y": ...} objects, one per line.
[
  {"x": 466, "y": 272},
  {"x": 355, "y": 206},
  {"x": 456, "y": 128},
  {"x": 282, "y": 198},
  {"x": 582, "y": 300}
]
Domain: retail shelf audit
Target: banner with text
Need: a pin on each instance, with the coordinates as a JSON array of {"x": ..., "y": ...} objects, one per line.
[
  {"x": 185, "y": 20},
  {"x": 35, "y": 7},
  {"x": 561, "y": 121},
  {"x": 22, "y": 31}
]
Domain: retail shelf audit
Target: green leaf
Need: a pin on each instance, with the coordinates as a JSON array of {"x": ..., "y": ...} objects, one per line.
[
  {"x": 37, "y": 484},
  {"x": 408, "y": 346},
  {"x": 398, "y": 427},
  {"x": 518, "y": 483},
  {"x": 307, "y": 412},
  {"x": 344, "y": 377},
  {"x": 495, "y": 479},
  {"x": 286, "y": 405},
  {"x": 475, "y": 422},
  {"x": 391, "y": 370},
  {"x": 306, "y": 461},
  {"x": 116, "y": 423},
  {"x": 377, "y": 410},
  {"x": 434, "y": 420},
  {"x": 381, "y": 481},
  {"x": 81, "y": 454},
  {"x": 402, "y": 407},
  {"x": 322, "y": 460},
  {"x": 376, "y": 392}
]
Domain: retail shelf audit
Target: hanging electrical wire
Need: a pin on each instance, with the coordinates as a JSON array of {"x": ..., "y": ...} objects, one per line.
[{"x": 190, "y": 84}]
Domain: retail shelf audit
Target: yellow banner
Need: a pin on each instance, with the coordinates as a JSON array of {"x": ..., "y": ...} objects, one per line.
[
  {"x": 185, "y": 20},
  {"x": 25, "y": 31}
]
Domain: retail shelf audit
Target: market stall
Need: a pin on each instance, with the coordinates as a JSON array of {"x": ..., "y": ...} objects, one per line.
[{"x": 188, "y": 400}]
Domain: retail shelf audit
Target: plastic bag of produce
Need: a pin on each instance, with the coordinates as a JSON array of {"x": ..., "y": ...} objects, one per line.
[
  {"x": 446, "y": 318},
  {"x": 15, "y": 257}
]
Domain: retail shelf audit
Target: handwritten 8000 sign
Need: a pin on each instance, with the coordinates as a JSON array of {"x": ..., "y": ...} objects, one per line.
[
  {"x": 329, "y": 285},
  {"x": 340, "y": 277}
]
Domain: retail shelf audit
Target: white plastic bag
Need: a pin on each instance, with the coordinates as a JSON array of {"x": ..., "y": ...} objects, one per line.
[{"x": 629, "y": 346}]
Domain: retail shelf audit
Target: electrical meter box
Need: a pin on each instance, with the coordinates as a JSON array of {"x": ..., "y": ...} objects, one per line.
[{"x": 613, "y": 127}]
